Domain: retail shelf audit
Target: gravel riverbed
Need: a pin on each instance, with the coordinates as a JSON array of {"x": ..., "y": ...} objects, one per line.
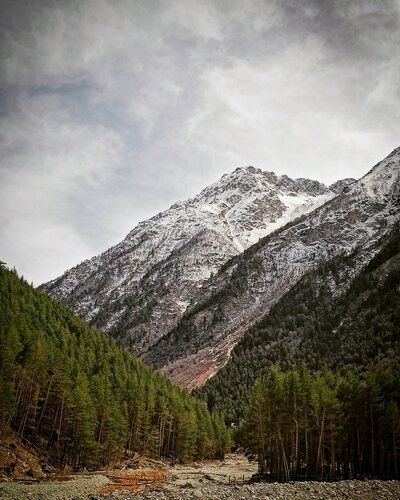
[
  {"x": 357, "y": 490},
  {"x": 210, "y": 481}
]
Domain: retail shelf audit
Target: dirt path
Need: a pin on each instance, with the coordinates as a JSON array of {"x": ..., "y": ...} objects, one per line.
[{"x": 209, "y": 481}]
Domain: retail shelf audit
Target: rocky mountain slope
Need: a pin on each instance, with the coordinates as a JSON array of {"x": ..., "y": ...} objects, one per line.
[
  {"x": 329, "y": 319},
  {"x": 139, "y": 289},
  {"x": 248, "y": 285},
  {"x": 185, "y": 285}
]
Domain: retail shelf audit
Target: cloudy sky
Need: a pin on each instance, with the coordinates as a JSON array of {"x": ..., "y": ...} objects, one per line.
[{"x": 112, "y": 110}]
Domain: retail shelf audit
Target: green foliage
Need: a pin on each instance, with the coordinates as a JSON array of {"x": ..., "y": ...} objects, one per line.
[
  {"x": 74, "y": 392},
  {"x": 323, "y": 425}
]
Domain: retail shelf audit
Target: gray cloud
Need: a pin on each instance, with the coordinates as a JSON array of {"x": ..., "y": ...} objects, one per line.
[{"x": 111, "y": 111}]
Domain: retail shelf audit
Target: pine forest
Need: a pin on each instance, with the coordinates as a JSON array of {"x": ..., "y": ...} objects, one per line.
[
  {"x": 305, "y": 425},
  {"x": 82, "y": 400},
  {"x": 325, "y": 376},
  {"x": 312, "y": 390}
]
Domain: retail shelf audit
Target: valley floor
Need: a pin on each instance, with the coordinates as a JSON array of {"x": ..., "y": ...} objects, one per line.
[{"x": 212, "y": 480}]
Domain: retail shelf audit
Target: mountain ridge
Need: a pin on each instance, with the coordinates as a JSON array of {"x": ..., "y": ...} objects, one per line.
[
  {"x": 171, "y": 254},
  {"x": 249, "y": 284},
  {"x": 179, "y": 291}
]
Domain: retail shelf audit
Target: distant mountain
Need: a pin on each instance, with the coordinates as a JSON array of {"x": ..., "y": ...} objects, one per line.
[
  {"x": 249, "y": 284},
  {"x": 139, "y": 289}
]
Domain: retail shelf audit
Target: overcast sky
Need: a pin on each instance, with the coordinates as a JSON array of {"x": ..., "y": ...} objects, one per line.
[{"x": 110, "y": 111}]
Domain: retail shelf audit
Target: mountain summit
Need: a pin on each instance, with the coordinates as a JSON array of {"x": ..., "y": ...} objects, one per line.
[
  {"x": 185, "y": 285},
  {"x": 249, "y": 284},
  {"x": 138, "y": 289}
]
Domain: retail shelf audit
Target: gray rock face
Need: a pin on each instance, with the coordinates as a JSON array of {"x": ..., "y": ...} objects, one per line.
[
  {"x": 139, "y": 289},
  {"x": 341, "y": 186}
]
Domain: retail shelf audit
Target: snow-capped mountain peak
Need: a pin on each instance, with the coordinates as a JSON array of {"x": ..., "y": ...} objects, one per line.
[
  {"x": 359, "y": 217},
  {"x": 175, "y": 251},
  {"x": 252, "y": 203},
  {"x": 182, "y": 261}
]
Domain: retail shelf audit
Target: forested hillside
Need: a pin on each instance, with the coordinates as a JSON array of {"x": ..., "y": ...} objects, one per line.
[
  {"x": 325, "y": 426},
  {"x": 330, "y": 318},
  {"x": 83, "y": 400}
]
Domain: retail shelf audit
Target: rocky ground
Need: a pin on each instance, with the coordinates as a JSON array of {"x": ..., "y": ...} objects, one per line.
[
  {"x": 371, "y": 490},
  {"x": 227, "y": 479}
]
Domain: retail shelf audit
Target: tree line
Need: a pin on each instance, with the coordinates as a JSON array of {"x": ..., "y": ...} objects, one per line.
[{"x": 72, "y": 392}]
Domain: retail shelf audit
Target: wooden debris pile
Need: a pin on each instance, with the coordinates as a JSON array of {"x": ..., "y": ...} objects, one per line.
[{"x": 134, "y": 481}]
